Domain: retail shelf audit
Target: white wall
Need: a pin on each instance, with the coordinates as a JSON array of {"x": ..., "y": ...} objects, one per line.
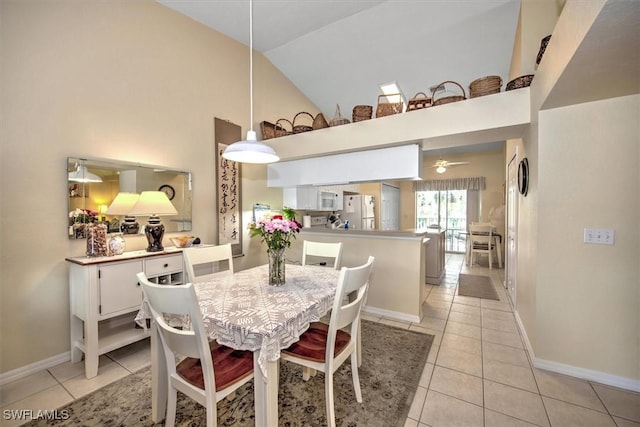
[{"x": 132, "y": 81}]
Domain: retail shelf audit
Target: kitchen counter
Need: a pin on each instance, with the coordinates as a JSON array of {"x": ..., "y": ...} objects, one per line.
[
  {"x": 396, "y": 286},
  {"x": 384, "y": 234}
]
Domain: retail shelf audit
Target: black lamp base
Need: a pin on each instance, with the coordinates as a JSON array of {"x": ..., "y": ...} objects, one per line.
[
  {"x": 129, "y": 226},
  {"x": 154, "y": 232}
]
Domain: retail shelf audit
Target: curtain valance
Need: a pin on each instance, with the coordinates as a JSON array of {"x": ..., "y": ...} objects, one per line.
[{"x": 472, "y": 183}]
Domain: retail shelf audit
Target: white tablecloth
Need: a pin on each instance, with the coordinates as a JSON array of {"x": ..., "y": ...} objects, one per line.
[{"x": 243, "y": 312}]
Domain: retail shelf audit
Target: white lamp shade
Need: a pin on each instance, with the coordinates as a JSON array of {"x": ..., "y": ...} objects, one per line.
[
  {"x": 81, "y": 174},
  {"x": 441, "y": 169},
  {"x": 123, "y": 203},
  {"x": 250, "y": 151},
  {"x": 153, "y": 203}
]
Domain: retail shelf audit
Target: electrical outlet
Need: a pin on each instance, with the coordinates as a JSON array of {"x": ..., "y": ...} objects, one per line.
[{"x": 599, "y": 236}]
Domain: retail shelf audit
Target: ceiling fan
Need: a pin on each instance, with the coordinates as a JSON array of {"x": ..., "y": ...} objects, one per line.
[{"x": 442, "y": 165}]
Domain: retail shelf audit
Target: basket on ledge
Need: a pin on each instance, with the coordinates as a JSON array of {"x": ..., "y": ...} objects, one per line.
[
  {"x": 485, "y": 86},
  {"x": 447, "y": 99},
  {"x": 362, "y": 112}
]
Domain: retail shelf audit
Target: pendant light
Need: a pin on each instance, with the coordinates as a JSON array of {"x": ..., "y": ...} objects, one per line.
[
  {"x": 81, "y": 174},
  {"x": 250, "y": 150}
]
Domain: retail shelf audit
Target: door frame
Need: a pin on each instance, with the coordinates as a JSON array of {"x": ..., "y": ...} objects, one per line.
[{"x": 511, "y": 238}]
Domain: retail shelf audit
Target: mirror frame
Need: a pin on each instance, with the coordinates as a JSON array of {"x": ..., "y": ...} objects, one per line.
[{"x": 91, "y": 199}]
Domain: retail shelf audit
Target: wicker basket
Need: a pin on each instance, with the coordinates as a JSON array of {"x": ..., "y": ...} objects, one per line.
[
  {"x": 299, "y": 128},
  {"x": 519, "y": 82},
  {"x": 362, "y": 112},
  {"x": 319, "y": 122},
  {"x": 281, "y": 130},
  {"x": 388, "y": 108},
  {"x": 447, "y": 99},
  {"x": 419, "y": 101},
  {"x": 543, "y": 47},
  {"x": 268, "y": 130},
  {"x": 485, "y": 86},
  {"x": 338, "y": 119}
]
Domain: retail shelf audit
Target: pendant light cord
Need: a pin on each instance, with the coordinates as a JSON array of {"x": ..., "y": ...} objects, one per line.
[{"x": 251, "y": 64}]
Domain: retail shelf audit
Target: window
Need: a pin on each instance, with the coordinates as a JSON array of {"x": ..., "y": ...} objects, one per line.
[{"x": 448, "y": 210}]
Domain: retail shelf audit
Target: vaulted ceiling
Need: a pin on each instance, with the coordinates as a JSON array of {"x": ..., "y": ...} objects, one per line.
[{"x": 341, "y": 51}]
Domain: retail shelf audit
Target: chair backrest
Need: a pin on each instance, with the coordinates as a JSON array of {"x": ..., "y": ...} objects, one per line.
[
  {"x": 206, "y": 256},
  {"x": 481, "y": 234},
  {"x": 325, "y": 250},
  {"x": 355, "y": 283},
  {"x": 179, "y": 300}
]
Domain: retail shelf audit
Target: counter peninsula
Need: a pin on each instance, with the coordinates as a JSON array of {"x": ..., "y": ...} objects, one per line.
[{"x": 396, "y": 287}]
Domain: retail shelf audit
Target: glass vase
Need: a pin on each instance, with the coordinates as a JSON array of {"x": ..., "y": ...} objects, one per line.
[
  {"x": 96, "y": 239},
  {"x": 117, "y": 244},
  {"x": 276, "y": 267}
]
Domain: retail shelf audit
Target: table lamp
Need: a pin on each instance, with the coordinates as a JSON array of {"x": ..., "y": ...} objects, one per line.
[
  {"x": 153, "y": 204},
  {"x": 122, "y": 205}
]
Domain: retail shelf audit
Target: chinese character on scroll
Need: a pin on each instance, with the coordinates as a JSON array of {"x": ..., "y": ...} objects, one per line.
[{"x": 228, "y": 188}]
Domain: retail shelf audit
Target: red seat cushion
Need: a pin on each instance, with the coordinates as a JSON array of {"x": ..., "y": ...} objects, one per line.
[
  {"x": 229, "y": 366},
  {"x": 313, "y": 343}
]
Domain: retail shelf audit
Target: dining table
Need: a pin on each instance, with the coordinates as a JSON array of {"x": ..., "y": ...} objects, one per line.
[{"x": 241, "y": 310}]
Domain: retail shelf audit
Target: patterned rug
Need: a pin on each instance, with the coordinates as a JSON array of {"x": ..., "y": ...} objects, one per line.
[
  {"x": 477, "y": 286},
  {"x": 392, "y": 364}
]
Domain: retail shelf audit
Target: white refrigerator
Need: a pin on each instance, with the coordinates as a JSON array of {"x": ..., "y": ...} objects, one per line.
[{"x": 359, "y": 211}]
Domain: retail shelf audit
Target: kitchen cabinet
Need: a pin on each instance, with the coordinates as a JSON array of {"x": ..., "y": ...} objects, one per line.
[
  {"x": 300, "y": 198},
  {"x": 434, "y": 257},
  {"x": 105, "y": 296}
]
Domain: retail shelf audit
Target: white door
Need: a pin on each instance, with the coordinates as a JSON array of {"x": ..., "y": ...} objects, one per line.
[
  {"x": 512, "y": 228},
  {"x": 389, "y": 207}
]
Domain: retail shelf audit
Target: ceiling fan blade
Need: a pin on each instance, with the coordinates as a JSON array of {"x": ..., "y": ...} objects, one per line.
[{"x": 446, "y": 164}]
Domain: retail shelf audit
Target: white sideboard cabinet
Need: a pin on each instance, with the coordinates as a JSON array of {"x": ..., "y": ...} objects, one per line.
[{"x": 105, "y": 296}]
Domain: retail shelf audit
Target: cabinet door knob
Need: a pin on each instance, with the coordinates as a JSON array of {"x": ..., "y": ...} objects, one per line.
[{"x": 166, "y": 265}]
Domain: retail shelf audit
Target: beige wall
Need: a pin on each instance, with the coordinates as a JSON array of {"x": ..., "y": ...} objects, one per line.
[
  {"x": 588, "y": 296},
  {"x": 132, "y": 81},
  {"x": 579, "y": 304}
]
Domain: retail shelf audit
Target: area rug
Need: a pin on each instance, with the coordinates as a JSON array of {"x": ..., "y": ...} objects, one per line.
[
  {"x": 476, "y": 286},
  {"x": 392, "y": 363}
]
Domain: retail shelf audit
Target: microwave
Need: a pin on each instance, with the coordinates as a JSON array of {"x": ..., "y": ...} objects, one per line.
[{"x": 327, "y": 201}]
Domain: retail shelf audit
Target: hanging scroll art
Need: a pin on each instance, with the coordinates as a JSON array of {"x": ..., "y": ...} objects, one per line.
[{"x": 228, "y": 188}]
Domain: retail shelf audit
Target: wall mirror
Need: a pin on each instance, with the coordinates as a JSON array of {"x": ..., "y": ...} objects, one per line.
[{"x": 93, "y": 184}]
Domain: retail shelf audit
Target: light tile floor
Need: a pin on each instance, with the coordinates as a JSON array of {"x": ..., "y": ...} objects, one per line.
[{"x": 478, "y": 372}]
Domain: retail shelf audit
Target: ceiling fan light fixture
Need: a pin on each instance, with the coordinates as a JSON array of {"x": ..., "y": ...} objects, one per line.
[
  {"x": 441, "y": 169},
  {"x": 250, "y": 150}
]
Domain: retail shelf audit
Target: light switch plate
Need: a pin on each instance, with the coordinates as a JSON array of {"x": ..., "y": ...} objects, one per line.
[{"x": 599, "y": 236}]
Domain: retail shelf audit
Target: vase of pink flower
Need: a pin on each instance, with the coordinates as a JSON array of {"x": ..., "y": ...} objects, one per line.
[{"x": 277, "y": 232}]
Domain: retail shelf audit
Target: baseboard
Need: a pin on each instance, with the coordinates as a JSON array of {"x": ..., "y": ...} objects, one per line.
[
  {"x": 588, "y": 374},
  {"x": 575, "y": 371},
  {"x": 33, "y": 368},
  {"x": 396, "y": 315}
]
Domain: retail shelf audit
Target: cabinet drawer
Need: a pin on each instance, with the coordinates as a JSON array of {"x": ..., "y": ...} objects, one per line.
[{"x": 163, "y": 265}]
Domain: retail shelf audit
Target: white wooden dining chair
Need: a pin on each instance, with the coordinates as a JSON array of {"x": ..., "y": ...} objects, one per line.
[
  {"x": 208, "y": 371},
  {"x": 325, "y": 347},
  {"x": 199, "y": 261},
  {"x": 481, "y": 241},
  {"x": 325, "y": 250}
]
